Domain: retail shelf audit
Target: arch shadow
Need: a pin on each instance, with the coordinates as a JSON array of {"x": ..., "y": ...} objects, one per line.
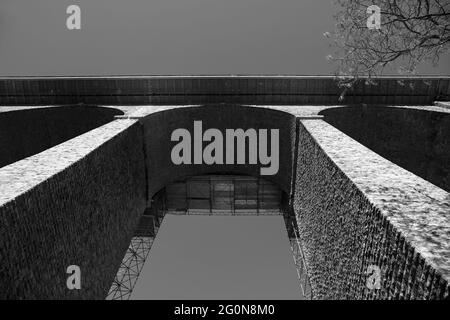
[
  {"x": 158, "y": 127},
  {"x": 417, "y": 140},
  {"x": 26, "y": 132}
]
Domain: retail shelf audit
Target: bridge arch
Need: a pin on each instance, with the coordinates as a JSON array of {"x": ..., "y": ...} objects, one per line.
[
  {"x": 28, "y": 131},
  {"x": 109, "y": 175},
  {"x": 158, "y": 127},
  {"x": 416, "y": 139},
  {"x": 207, "y": 195}
]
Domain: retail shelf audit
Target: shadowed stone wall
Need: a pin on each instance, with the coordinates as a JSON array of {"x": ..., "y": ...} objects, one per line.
[
  {"x": 355, "y": 209},
  {"x": 182, "y": 90},
  {"x": 27, "y": 132},
  {"x": 159, "y": 126},
  {"x": 417, "y": 140},
  {"x": 75, "y": 204}
]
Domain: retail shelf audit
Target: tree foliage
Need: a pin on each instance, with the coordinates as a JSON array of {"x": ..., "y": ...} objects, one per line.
[{"x": 411, "y": 32}]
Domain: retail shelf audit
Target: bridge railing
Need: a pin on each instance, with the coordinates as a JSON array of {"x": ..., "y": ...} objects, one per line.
[{"x": 300, "y": 264}]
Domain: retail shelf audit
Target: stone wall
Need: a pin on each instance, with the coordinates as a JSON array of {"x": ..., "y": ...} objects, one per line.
[
  {"x": 182, "y": 90},
  {"x": 417, "y": 140},
  {"x": 75, "y": 204},
  {"x": 27, "y": 132},
  {"x": 80, "y": 202},
  {"x": 355, "y": 209},
  {"x": 159, "y": 126}
]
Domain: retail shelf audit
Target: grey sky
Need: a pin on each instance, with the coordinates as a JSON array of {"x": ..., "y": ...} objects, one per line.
[
  {"x": 169, "y": 37},
  {"x": 219, "y": 257}
]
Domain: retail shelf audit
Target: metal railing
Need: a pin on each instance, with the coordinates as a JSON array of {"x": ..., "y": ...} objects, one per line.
[
  {"x": 300, "y": 264},
  {"x": 130, "y": 268}
]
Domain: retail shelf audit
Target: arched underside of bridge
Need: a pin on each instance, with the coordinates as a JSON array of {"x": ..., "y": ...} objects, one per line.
[
  {"x": 27, "y": 131},
  {"x": 207, "y": 195},
  {"x": 415, "y": 139},
  {"x": 81, "y": 201}
]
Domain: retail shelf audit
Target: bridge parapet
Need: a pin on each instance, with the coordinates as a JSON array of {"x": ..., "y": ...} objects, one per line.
[
  {"x": 182, "y": 90},
  {"x": 356, "y": 209},
  {"x": 77, "y": 203}
]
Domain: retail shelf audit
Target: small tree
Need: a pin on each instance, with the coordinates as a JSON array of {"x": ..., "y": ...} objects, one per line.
[{"x": 410, "y": 32}]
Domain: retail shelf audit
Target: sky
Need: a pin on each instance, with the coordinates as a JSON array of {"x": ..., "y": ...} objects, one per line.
[
  {"x": 219, "y": 257},
  {"x": 169, "y": 37}
]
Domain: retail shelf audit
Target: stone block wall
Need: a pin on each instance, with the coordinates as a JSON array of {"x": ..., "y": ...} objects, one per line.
[
  {"x": 159, "y": 126},
  {"x": 80, "y": 202},
  {"x": 355, "y": 209},
  {"x": 27, "y": 132},
  {"x": 75, "y": 204},
  {"x": 417, "y": 140},
  {"x": 182, "y": 90}
]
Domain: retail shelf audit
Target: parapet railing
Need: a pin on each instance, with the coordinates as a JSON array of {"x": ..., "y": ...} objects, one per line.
[{"x": 300, "y": 263}]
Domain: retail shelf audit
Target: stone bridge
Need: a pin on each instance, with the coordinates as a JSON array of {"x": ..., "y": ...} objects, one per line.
[{"x": 367, "y": 182}]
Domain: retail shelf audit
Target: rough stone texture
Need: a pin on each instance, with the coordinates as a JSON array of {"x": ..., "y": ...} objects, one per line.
[
  {"x": 355, "y": 209},
  {"x": 159, "y": 126},
  {"x": 417, "y": 140},
  {"x": 79, "y": 203},
  {"x": 300, "y": 111},
  {"x": 76, "y": 203},
  {"x": 174, "y": 90},
  {"x": 30, "y": 131},
  {"x": 443, "y": 104}
]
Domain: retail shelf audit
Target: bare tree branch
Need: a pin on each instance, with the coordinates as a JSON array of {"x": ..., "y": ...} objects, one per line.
[{"x": 412, "y": 32}]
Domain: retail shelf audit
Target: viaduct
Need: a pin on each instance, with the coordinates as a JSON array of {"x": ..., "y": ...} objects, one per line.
[{"x": 365, "y": 182}]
